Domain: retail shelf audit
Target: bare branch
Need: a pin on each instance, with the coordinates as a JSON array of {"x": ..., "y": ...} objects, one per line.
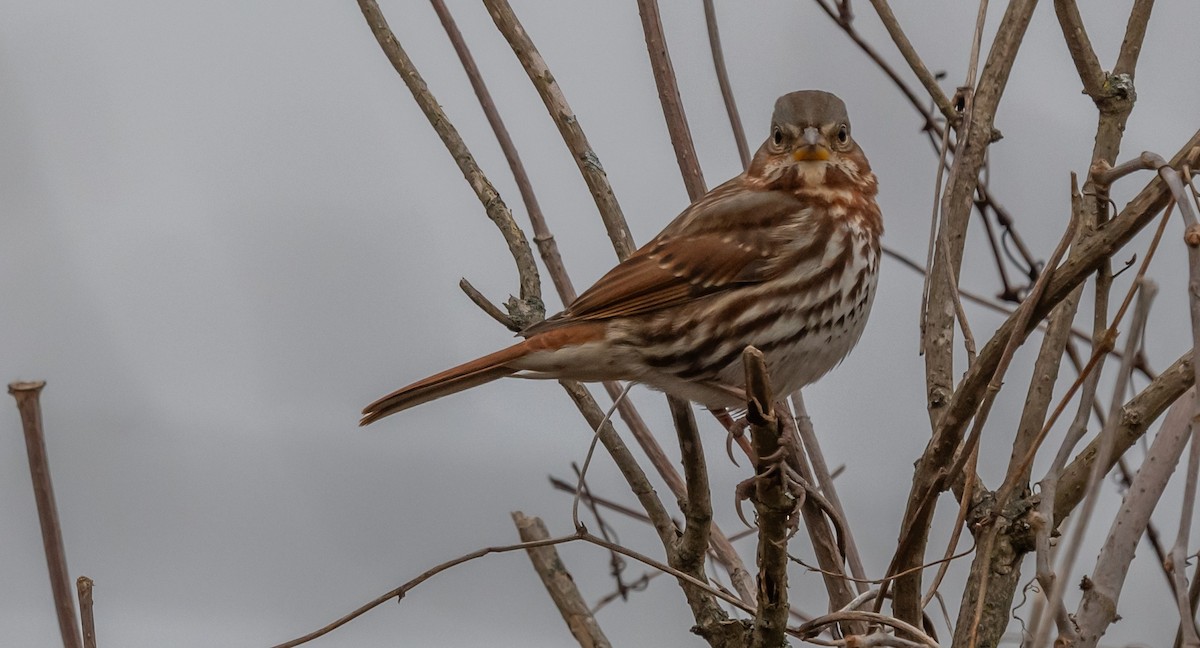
[
  {"x": 1080, "y": 47},
  {"x": 773, "y": 502},
  {"x": 697, "y": 508},
  {"x": 1179, "y": 552},
  {"x": 974, "y": 137},
  {"x": 530, "y": 308},
  {"x": 83, "y": 586},
  {"x": 824, "y": 480},
  {"x": 1136, "y": 417},
  {"x": 981, "y": 569},
  {"x": 568, "y": 124},
  {"x": 709, "y": 617},
  {"x": 1097, "y": 609},
  {"x": 914, "y": 60},
  {"x": 1146, "y": 293},
  {"x": 642, "y": 489},
  {"x": 735, "y": 120},
  {"x": 1135, "y": 33},
  {"x": 401, "y": 591},
  {"x": 542, "y": 237},
  {"x": 668, "y": 96},
  {"x": 27, "y": 395},
  {"x": 559, "y": 583},
  {"x": 485, "y": 305},
  {"x": 808, "y": 629},
  {"x": 1049, "y": 359}
]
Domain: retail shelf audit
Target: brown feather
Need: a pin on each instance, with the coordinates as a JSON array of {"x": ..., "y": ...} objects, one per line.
[
  {"x": 695, "y": 256},
  {"x": 493, "y": 366},
  {"x": 470, "y": 374}
]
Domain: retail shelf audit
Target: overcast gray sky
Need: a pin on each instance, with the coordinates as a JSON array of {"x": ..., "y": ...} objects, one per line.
[{"x": 225, "y": 227}]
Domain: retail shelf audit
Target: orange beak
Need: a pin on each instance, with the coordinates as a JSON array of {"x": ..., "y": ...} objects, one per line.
[{"x": 813, "y": 147}]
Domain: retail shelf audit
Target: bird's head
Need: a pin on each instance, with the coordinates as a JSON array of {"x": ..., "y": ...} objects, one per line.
[{"x": 810, "y": 136}]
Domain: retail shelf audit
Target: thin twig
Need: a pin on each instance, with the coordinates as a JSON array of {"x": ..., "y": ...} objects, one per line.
[
  {"x": 807, "y": 629},
  {"x": 587, "y": 460},
  {"x": 401, "y": 591},
  {"x": 998, "y": 307},
  {"x": 913, "y": 59},
  {"x": 824, "y": 479},
  {"x": 484, "y": 304},
  {"x": 709, "y": 617},
  {"x": 735, "y": 120}
]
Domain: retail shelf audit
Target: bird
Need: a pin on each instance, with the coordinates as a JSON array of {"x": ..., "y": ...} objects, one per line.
[{"x": 784, "y": 257}]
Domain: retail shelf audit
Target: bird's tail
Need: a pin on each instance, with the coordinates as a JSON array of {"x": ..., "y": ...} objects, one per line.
[
  {"x": 471, "y": 374},
  {"x": 534, "y": 355}
]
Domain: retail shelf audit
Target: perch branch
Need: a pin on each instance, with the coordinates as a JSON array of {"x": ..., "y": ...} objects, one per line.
[{"x": 774, "y": 504}]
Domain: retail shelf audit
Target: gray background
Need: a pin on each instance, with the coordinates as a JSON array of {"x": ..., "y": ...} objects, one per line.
[{"x": 226, "y": 227}]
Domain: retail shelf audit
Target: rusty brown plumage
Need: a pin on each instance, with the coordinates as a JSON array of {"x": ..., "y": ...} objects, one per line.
[{"x": 784, "y": 257}]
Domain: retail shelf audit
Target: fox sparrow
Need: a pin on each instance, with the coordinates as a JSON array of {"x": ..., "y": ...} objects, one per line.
[{"x": 784, "y": 257}]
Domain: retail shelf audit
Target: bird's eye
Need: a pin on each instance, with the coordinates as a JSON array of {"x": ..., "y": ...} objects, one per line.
[
  {"x": 843, "y": 133},
  {"x": 777, "y": 136}
]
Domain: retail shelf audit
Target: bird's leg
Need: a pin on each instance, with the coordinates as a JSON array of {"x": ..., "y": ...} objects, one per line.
[
  {"x": 774, "y": 466},
  {"x": 736, "y": 428}
]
